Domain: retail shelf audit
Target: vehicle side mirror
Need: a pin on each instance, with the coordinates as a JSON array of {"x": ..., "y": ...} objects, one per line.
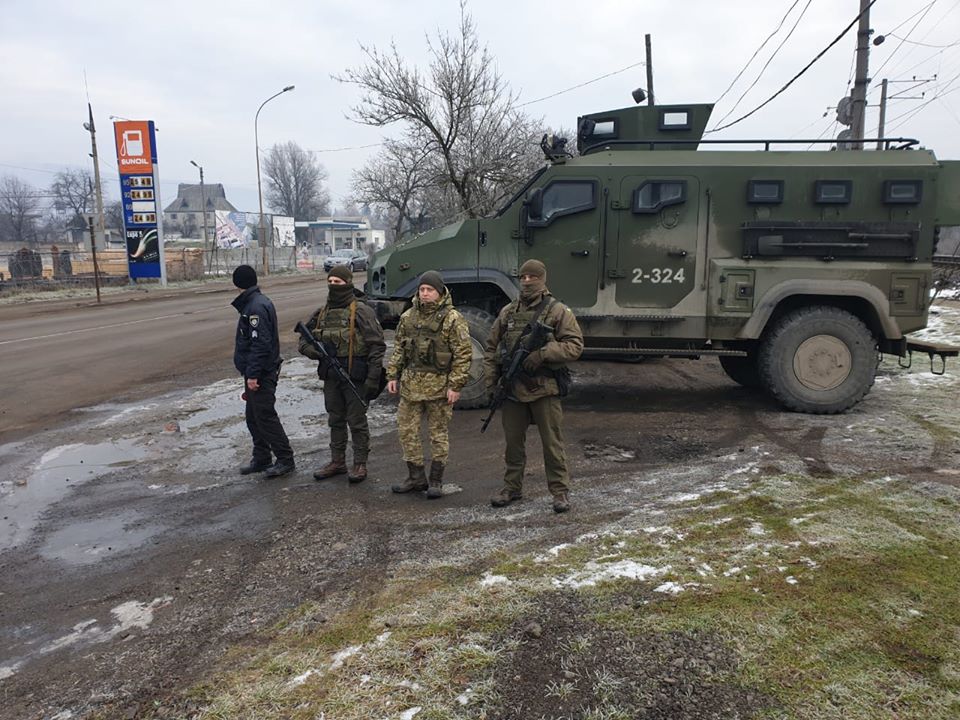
[{"x": 535, "y": 205}]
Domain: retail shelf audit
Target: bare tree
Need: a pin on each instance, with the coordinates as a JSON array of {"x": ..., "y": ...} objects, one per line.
[
  {"x": 72, "y": 192},
  {"x": 397, "y": 179},
  {"x": 19, "y": 208},
  {"x": 460, "y": 110},
  {"x": 295, "y": 182}
]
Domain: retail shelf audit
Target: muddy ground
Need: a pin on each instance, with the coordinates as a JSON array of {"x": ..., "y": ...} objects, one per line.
[{"x": 136, "y": 563}]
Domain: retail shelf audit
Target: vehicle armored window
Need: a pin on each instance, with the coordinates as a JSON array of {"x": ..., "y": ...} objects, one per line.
[
  {"x": 765, "y": 192},
  {"x": 902, "y": 192},
  {"x": 559, "y": 198},
  {"x": 654, "y": 195},
  {"x": 833, "y": 192},
  {"x": 675, "y": 120}
]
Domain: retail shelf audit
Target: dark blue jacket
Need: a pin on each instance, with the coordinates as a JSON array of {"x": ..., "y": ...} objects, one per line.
[{"x": 256, "y": 352}]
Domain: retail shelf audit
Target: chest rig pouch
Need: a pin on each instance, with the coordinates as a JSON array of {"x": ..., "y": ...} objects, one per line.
[
  {"x": 336, "y": 329},
  {"x": 425, "y": 348},
  {"x": 519, "y": 324}
]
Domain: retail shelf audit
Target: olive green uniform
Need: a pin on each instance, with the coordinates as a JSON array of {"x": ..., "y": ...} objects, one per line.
[
  {"x": 534, "y": 399},
  {"x": 431, "y": 354},
  {"x": 357, "y": 338}
]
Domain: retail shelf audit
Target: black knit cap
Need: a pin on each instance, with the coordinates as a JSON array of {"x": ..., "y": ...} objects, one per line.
[
  {"x": 433, "y": 279},
  {"x": 244, "y": 277},
  {"x": 341, "y": 271}
]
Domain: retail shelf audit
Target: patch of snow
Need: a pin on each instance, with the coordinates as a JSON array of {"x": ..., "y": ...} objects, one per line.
[
  {"x": 792, "y": 580},
  {"x": 411, "y": 713},
  {"x": 409, "y": 684},
  {"x": 464, "y": 697},
  {"x": 383, "y": 637},
  {"x": 683, "y": 497},
  {"x": 487, "y": 580},
  {"x": 301, "y": 679},
  {"x": 594, "y": 573},
  {"x": 9, "y": 670},
  {"x": 669, "y": 587},
  {"x": 732, "y": 571},
  {"x": 339, "y": 658},
  {"x": 757, "y": 529}
]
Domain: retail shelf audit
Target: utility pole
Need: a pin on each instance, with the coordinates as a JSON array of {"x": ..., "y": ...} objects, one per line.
[
  {"x": 883, "y": 113},
  {"x": 859, "y": 93},
  {"x": 93, "y": 250},
  {"x": 203, "y": 201},
  {"x": 649, "y": 69},
  {"x": 92, "y": 129}
]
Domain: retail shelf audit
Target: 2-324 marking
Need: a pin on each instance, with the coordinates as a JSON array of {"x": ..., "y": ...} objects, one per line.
[{"x": 657, "y": 275}]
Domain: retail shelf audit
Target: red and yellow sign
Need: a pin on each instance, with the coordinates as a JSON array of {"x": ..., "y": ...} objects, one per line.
[{"x": 134, "y": 139}]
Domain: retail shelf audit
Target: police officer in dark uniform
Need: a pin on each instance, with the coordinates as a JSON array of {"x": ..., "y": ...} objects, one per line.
[{"x": 256, "y": 356}]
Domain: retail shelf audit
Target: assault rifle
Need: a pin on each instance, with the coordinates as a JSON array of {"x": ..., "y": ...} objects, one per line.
[
  {"x": 330, "y": 360},
  {"x": 528, "y": 343}
]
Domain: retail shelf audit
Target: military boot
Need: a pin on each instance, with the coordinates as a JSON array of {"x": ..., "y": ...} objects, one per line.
[
  {"x": 505, "y": 497},
  {"x": 561, "y": 503},
  {"x": 337, "y": 466},
  {"x": 359, "y": 473},
  {"x": 416, "y": 479},
  {"x": 435, "y": 486}
]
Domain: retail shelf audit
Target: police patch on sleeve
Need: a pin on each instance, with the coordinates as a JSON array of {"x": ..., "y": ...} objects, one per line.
[{"x": 254, "y": 320}]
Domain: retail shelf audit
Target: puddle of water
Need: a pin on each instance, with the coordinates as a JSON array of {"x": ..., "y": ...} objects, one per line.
[
  {"x": 55, "y": 474},
  {"x": 90, "y": 541}
]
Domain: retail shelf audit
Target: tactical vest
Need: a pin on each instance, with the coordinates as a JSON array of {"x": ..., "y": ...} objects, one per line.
[
  {"x": 333, "y": 328},
  {"x": 425, "y": 348},
  {"x": 517, "y": 322}
]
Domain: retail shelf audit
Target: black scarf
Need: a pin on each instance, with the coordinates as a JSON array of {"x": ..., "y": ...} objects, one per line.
[{"x": 340, "y": 296}]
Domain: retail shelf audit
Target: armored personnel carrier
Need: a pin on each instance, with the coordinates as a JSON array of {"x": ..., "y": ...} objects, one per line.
[{"x": 796, "y": 267}]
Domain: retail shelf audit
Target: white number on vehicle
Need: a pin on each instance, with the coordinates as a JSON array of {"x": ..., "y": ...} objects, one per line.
[{"x": 658, "y": 275}]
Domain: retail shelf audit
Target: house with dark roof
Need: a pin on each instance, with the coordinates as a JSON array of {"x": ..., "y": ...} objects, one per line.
[{"x": 186, "y": 211}]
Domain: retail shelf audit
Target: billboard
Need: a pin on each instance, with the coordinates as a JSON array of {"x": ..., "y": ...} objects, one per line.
[{"x": 136, "y": 145}]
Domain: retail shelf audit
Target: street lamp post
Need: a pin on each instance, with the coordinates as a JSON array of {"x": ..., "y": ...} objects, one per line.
[
  {"x": 256, "y": 138},
  {"x": 203, "y": 200}
]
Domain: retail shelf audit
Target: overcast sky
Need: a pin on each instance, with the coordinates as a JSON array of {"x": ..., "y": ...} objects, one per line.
[{"x": 200, "y": 69}]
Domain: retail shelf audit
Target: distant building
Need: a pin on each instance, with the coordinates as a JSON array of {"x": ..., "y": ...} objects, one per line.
[
  {"x": 186, "y": 212},
  {"x": 328, "y": 234}
]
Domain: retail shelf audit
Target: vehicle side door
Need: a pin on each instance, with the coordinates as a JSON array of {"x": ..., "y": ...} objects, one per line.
[
  {"x": 563, "y": 226},
  {"x": 656, "y": 240}
]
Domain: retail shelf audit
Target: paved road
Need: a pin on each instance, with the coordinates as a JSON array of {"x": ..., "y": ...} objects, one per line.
[{"x": 57, "y": 356}]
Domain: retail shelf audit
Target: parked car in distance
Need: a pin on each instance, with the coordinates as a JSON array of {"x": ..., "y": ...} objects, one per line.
[{"x": 356, "y": 259}]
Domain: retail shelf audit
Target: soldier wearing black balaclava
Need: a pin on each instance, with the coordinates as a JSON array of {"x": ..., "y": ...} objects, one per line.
[
  {"x": 350, "y": 330},
  {"x": 534, "y": 398}
]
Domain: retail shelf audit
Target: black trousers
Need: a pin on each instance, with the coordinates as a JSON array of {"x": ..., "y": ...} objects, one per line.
[{"x": 264, "y": 424}]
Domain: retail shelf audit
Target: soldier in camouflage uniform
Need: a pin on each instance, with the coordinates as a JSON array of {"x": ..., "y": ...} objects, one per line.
[
  {"x": 430, "y": 363},
  {"x": 534, "y": 398},
  {"x": 350, "y": 330}
]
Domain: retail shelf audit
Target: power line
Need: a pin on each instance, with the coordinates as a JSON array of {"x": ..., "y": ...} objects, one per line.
[
  {"x": 19, "y": 167},
  {"x": 897, "y": 48},
  {"x": 757, "y": 52},
  {"x": 344, "y": 149},
  {"x": 797, "y": 76},
  {"x": 767, "y": 64},
  {"x": 927, "y": 45},
  {"x": 583, "y": 84}
]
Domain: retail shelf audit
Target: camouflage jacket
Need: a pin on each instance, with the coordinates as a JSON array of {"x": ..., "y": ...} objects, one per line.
[
  {"x": 428, "y": 363},
  {"x": 564, "y": 345}
]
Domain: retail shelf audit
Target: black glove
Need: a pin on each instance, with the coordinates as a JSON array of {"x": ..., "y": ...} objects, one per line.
[
  {"x": 371, "y": 388},
  {"x": 533, "y": 362}
]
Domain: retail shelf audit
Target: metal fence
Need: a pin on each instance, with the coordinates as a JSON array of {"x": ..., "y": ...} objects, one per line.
[{"x": 55, "y": 268}]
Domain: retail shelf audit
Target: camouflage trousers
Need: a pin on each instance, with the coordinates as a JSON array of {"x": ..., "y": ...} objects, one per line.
[
  {"x": 547, "y": 414},
  {"x": 409, "y": 417}
]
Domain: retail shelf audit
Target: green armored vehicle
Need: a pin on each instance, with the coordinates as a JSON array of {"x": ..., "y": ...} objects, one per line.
[{"x": 795, "y": 267}]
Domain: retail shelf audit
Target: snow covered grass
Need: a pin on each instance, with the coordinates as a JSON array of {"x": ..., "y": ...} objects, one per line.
[{"x": 837, "y": 597}]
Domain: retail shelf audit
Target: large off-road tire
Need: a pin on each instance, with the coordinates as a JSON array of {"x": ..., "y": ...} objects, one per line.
[
  {"x": 818, "y": 360},
  {"x": 742, "y": 370},
  {"x": 474, "y": 393}
]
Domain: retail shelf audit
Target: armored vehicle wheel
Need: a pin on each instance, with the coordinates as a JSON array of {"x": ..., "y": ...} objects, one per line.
[
  {"x": 474, "y": 393},
  {"x": 818, "y": 360},
  {"x": 742, "y": 370}
]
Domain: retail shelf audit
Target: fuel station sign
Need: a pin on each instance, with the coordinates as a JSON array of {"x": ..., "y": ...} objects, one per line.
[{"x": 139, "y": 191}]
